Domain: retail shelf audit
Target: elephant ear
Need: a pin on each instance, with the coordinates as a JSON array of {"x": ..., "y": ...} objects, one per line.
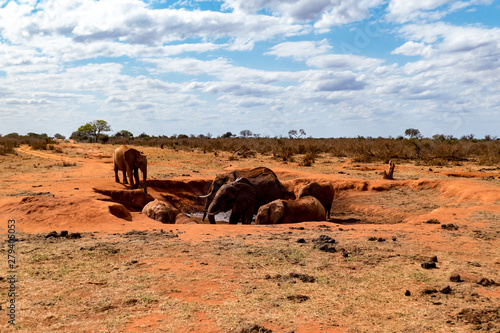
[
  {"x": 277, "y": 211},
  {"x": 130, "y": 156}
]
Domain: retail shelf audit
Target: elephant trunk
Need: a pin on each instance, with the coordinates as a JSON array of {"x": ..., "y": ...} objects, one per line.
[
  {"x": 145, "y": 176},
  {"x": 211, "y": 218}
]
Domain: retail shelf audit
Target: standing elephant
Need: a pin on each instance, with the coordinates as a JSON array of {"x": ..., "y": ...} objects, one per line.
[
  {"x": 322, "y": 191},
  {"x": 256, "y": 175},
  {"x": 291, "y": 211},
  {"x": 240, "y": 196},
  {"x": 129, "y": 161}
]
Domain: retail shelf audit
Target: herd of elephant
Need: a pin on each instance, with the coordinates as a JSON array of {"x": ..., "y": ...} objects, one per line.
[{"x": 245, "y": 192}]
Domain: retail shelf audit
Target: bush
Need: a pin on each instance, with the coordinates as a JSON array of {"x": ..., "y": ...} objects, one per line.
[{"x": 39, "y": 145}]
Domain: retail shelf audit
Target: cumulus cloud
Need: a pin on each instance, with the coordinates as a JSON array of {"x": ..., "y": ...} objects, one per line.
[
  {"x": 300, "y": 50},
  {"x": 402, "y": 11}
]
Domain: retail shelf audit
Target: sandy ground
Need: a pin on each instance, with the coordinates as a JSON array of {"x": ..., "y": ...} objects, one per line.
[{"x": 449, "y": 212}]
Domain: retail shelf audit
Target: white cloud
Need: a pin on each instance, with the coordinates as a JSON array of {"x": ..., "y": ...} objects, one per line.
[
  {"x": 300, "y": 50},
  {"x": 414, "y": 49},
  {"x": 402, "y": 11}
]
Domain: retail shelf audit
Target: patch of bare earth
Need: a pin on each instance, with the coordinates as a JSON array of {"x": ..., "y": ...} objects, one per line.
[{"x": 417, "y": 254}]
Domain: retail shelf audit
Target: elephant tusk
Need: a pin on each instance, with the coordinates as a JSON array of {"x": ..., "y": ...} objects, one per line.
[{"x": 204, "y": 196}]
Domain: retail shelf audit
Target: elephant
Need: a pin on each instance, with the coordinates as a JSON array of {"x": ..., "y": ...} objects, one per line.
[
  {"x": 166, "y": 213},
  {"x": 160, "y": 211},
  {"x": 240, "y": 196},
  {"x": 259, "y": 174},
  {"x": 129, "y": 161},
  {"x": 323, "y": 191},
  {"x": 291, "y": 211}
]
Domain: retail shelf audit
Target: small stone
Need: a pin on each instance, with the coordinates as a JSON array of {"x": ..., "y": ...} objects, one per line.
[
  {"x": 372, "y": 239},
  {"x": 381, "y": 239},
  {"x": 486, "y": 282},
  {"x": 301, "y": 240},
  {"x": 326, "y": 248},
  {"x": 455, "y": 278},
  {"x": 429, "y": 291},
  {"x": 63, "y": 233},
  {"x": 446, "y": 290},
  {"x": 428, "y": 265},
  {"x": 434, "y": 259},
  {"x": 52, "y": 234},
  {"x": 407, "y": 293}
]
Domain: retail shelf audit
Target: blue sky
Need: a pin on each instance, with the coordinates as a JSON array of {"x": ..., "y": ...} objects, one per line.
[{"x": 333, "y": 68}]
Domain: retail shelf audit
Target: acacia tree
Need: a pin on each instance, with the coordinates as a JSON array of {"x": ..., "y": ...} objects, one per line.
[
  {"x": 94, "y": 129},
  {"x": 413, "y": 133}
]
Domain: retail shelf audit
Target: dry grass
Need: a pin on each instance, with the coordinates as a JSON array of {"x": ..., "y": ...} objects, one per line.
[{"x": 101, "y": 282}]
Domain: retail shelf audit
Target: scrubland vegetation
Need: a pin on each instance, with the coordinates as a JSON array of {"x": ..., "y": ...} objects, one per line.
[{"x": 438, "y": 150}]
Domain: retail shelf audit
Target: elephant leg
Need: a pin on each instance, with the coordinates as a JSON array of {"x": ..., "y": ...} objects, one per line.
[
  {"x": 125, "y": 181},
  {"x": 116, "y": 175},
  {"x": 136, "y": 176},
  {"x": 130, "y": 174},
  {"x": 234, "y": 218},
  {"x": 247, "y": 218}
]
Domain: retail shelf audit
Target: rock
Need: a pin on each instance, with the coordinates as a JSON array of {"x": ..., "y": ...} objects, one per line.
[
  {"x": 74, "y": 235},
  {"x": 428, "y": 265},
  {"x": 52, "y": 234},
  {"x": 446, "y": 290},
  {"x": 326, "y": 248},
  {"x": 253, "y": 328},
  {"x": 407, "y": 293},
  {"x": 455, "y": 278},
  {"x": 486, "y": 282},
  {"x": 434, "y": 259},
  {"x": 450, "y": 226},
  {"x": 120, "y": 211},
  {"x": 324, "y": 239},
  {"x": 380, "y": 239},
  {"x": 63, "y": 233},
  {"x": 301, "y": 240},
  {"x": 429, "y": 291}
]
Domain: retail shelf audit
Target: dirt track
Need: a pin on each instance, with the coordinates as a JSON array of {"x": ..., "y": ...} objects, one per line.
[{"x": 218, "y": 278}]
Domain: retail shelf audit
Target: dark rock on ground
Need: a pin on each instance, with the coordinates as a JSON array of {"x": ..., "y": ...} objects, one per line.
[{"x": 428, "y": 265}]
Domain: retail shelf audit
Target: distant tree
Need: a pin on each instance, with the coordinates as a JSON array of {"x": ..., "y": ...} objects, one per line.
[
  {"x": 59, "y": 136},
  {"x": 246, "y": 133},
  {"x": 468, "y": 137},
  {"x": 38, "y": 136},
  {"x": 124, "y": 134},
  {"x": 228, "y": 135},
  {"x": 182, "y": 136},
  {"x": 413, "y": 133},
  {"x": 294, "y": 134},
  {"x": 144, "y": 136},
  {"x": 13, "y": 135},
  {"x": 488, "y": 137}
]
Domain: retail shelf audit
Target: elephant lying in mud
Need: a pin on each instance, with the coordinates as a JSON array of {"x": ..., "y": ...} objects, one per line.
[
  {"x": 291, "y": 211},
  {"x": 166, "y": 213},
  {"x": 129, "y": 161},
  {"x": 239, "y": 196},
  {"x": 264, "y": 181},
  {"x": 323, "y": 191}
]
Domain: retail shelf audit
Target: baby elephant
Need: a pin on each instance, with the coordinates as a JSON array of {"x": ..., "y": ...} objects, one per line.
[
  {"x": 291, "y": 211},
  {"x": 322, "y": 191}
]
